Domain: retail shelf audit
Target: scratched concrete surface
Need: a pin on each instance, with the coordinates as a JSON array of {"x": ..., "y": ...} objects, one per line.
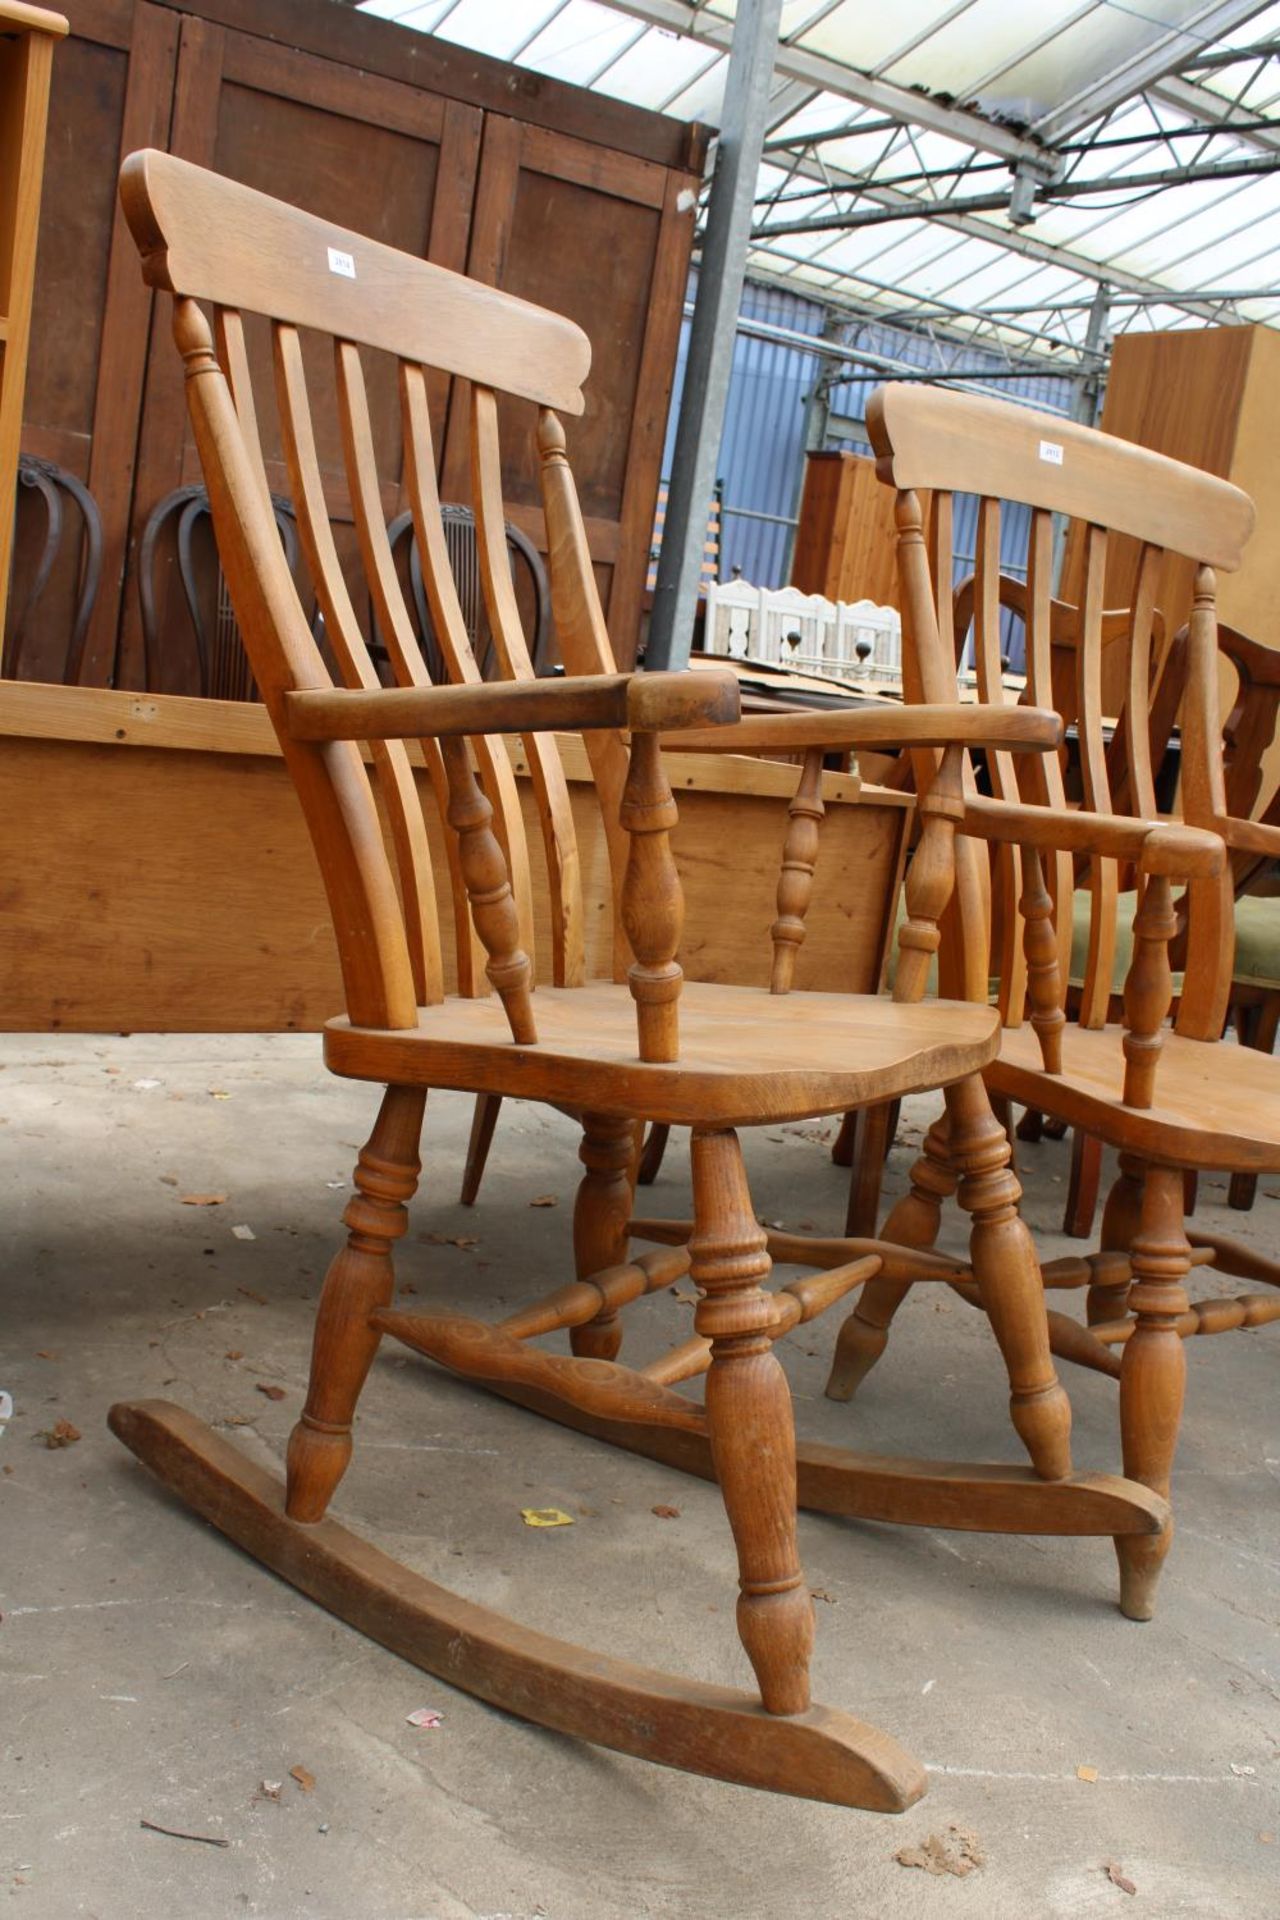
[{"x": 148, "y": 1671}]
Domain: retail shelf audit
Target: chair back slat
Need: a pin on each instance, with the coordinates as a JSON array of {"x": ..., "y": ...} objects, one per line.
[
  {"x": 1104, "y": 878},
  {"x": 1135, "y": 721},
  {"x": 551, "y": 790},
  {"x": 342, "y": 630},
  {"x": 585, "y": 649},
  {"x": 1040, "y": 774},
  {"x": 989, "y": 668},
  {"x": 228, "y": 332}
]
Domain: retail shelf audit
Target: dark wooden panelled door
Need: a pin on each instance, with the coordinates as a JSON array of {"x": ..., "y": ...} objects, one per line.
[
  {"x": 605, "y": 238},
  {"x": 388, "y": 160}
]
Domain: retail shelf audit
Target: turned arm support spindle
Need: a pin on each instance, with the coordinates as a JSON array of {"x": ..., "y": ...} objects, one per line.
[
  {"x": 1148, "y": 990},
  {"x": 795, "y": 880},
  {"x": 652, "y": 900},
  {"x": 931, "y": 876},
  {"x": 488, "y": 884},
  {"x": 1040, "y": 944}
]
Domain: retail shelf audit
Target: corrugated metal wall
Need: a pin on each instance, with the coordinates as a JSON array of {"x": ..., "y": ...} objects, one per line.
[{"x": 762, "y": 452}]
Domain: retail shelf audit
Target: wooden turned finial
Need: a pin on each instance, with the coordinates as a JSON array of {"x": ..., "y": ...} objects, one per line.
[
  {"x": 194, "y": 339},
  {"x": 1148, "y": 990},
  {"x": 1040, "y": 944},
  {"x": 652, "y": 901},
  {"x": 795, "y": 881},
  {"x": 488, "y": 884},
  {"x": 551, "y": 440}
]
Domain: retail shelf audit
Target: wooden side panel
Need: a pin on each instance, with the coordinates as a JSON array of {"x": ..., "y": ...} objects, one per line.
[
  {"x": 1179, "y": 394},
  {"x": 223, "y": 925},
  {"x": 845, "y": 542},
  {"x": 599, "y": 236},
  {"x": 327, "y": 138}
]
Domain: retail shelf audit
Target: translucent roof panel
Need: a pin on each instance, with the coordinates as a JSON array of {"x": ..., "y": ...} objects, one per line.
[{"x": 1150, "y": 130}]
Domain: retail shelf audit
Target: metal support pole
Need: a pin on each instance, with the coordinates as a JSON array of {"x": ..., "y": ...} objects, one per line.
[{"x": 711, "y": 336}]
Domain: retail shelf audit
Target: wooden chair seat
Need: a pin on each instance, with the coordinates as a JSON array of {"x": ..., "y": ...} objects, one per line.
[
  {"x": 747, "y": 1057},
  {"x": 1215, "y": 1112}
]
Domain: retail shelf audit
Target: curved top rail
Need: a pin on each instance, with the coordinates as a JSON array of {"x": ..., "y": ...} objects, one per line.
[
  {"x": 209, "y": 238},
  {"x": 965, "y": 443}
]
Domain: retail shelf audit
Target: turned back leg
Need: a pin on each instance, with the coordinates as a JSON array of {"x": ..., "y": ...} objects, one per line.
[
  {"x": 914, "y": 1222},
  {"x": 750, "y": 1420},
  {"x": 601, "y": 1216},
  {"x": 360, "y": 1279}
]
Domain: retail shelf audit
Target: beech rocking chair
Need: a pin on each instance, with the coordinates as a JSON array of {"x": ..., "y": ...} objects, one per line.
[{"x": 711, "y": 1057}]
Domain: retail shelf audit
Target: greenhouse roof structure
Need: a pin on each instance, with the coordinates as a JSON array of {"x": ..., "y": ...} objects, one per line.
[{"x": 1025, "y": 177}]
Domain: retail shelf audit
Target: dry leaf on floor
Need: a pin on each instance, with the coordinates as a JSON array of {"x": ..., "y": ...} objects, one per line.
[
  {"x": 466, "y": 1240},
  {"x": 1118, "y": 1877},
  {"x": 957, "y": 1852},
  {"x": 271, "y": 1789},
  {"x": 51, "y": 1353},
  {"x": 249, "y": 1293},
  {"x": 820, "y": 1593},
  {"x": 61, "y": 1434},
  {"x": 202, "y": 1199},
  {"x": 545, "y": 1517},
  {"x": 234, "y": 1353},
  {"x": 244, "y": 1233},
  {"x": 272, "y": 1393},
  {"x": 425, "y": 1717},
  {"x": 1087, "y": 1773},
  {"x": 304, "y": 1777},
  {"x": 546, "y": 1200},
  {"x": 666, "y": 1513}
]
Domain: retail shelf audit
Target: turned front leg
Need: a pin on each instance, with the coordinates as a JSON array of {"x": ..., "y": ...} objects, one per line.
[
  {"x": 914, "y": 1222},
  {"x": 750, "y": 1420},
  {"x": 360, "y": 1280},
  {"x": 601, "y": 1215},
  {"x": 1003, "y": 1257},
  {"x": 1153, "y": 1376}
]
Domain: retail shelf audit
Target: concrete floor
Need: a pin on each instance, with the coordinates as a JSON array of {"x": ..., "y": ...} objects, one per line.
[{"x": 149, "y": 1671}]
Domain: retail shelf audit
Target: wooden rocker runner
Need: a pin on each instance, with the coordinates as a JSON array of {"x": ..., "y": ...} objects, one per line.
[{"x": 709, "y": 1057}]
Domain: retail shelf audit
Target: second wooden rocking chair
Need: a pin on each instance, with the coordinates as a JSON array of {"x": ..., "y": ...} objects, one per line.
[{"x": 711, "y": 1057}]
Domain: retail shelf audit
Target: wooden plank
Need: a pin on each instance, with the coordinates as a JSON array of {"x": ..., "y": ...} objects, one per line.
[{"x": 223, "y": 925}]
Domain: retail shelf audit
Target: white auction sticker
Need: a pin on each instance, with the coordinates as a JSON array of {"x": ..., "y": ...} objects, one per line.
[
  {"x": 343, "y": 263},
  {"x": 1051, "y": 451}
]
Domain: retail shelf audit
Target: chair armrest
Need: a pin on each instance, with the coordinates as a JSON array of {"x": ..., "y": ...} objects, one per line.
[
  {"x": 1013, "y": 730},
  {"x": 1250, "y": 836},
  {"x": 638, "y": 702},
  {"x": 1183, "y": 853}
]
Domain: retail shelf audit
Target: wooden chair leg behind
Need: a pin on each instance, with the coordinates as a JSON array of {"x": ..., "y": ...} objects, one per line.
[
  {"x": 1121, "y": 1218},
  {"x": 651, "y": 1158},
  {"x": 360, "y": 1280},
  {"x": 914, "y": 1222},
  {"x": 1086, "y": 1177},
  {"x": 1153, "y": 1375},
  {"x": 872, "y": 1135},
  {"x": 750, "y": 1422},
  {"x": 484, "y": 1119},
  {"x": 601, "y": 1215},
  {"x": 1008, "y": 1276}
]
